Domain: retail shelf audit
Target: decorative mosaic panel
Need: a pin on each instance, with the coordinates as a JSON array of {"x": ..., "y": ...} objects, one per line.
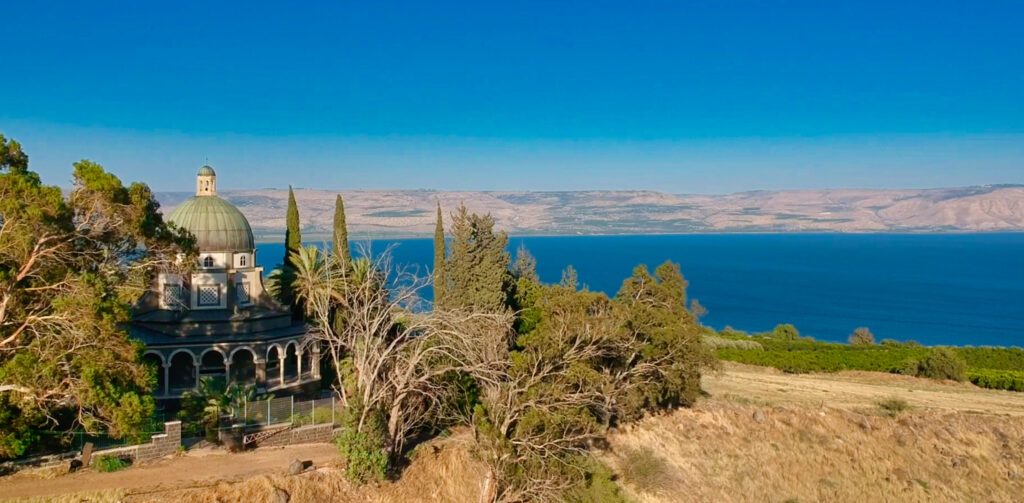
[
  {"x": 172, "y": 295},
  {"x": 209, "y": 295},
  {"x": 242, "y": 289}
]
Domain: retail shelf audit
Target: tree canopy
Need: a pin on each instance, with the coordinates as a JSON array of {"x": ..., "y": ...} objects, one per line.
[
  {"x": 476, "y": 269},
  {"x": 70, "y": 269}
]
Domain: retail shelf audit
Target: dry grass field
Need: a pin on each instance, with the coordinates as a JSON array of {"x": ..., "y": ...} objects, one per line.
[{"x": 760, "y": 436}]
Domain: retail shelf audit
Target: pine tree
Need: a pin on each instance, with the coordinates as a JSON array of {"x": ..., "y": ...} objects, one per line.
[
  {"x": 439, "y": 270},
  {"x": 477, "y": 267},
  {"x": 341, "y": 248}
]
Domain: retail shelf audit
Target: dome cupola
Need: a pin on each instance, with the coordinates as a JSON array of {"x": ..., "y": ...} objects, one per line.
[
  {"x": 206, "y": 181},
  {"x": 217, "y": 224}
]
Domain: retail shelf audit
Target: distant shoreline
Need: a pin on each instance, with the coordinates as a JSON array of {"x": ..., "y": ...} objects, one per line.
[{"x": 313, "y": 237}]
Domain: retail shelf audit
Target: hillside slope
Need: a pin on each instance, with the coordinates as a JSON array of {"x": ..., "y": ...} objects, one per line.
[
  {"x": 383, "y": 213},
  {"x": 761, "y": 435}
]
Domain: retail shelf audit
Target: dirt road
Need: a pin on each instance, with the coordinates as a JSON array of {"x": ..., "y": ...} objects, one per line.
[{"x": 199, "y": 468}]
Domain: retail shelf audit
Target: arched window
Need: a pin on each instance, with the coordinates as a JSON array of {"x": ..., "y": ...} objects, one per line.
[
  {"x": 208, "y": 262},
  {"x": 241, "y": 261}
]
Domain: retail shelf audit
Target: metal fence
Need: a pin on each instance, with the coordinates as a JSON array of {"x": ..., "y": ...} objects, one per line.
[{"x": 288, "y": 410}]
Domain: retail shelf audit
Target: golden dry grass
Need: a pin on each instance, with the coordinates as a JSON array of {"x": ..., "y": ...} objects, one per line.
[{"x": 728, "y": 451}]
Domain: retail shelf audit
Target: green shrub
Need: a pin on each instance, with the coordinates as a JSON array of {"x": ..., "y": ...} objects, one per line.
[
  {"x": 110, "y": 463},
  {"x": 997, "y": 379},
  {"x": 319, "y": 415},
  {"x": 943, "y": 363},
  {"x": 893, "y": 406},
  {"x": 600, "y": 487},
  {"x": 785, "y": 332},
  {"x": 646, "y": 470},
  {"x": 363, "y": 451}
]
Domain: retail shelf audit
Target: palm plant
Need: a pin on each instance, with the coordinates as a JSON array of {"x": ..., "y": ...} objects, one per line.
[{"x": 212, "y": 399}]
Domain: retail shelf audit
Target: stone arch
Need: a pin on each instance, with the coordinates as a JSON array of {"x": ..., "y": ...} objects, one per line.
[
  {"x": 182, "y": 372},
  {"x": 212, "y": 363},
  {"x": 291, "y": 362},
  {"x": 275, "y": 358},
  {"x": 243, "y": 365},
  {"x": 156, "y": 360}
]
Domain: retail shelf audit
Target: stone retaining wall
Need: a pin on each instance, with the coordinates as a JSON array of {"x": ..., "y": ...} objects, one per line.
[
  {"x": 310, "y": 434},
  {"x": 159, "y": 445}
]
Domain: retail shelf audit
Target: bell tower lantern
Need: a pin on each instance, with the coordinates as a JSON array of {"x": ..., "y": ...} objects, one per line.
[{"x": 206, "y": 182}]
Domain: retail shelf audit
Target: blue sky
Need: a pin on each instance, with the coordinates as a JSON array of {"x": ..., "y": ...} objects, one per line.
[{"x": 704, "y": 97}]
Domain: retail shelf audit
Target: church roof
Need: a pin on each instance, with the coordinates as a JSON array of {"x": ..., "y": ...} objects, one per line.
[
  {"x": 217, "y": 224},
  {"x": 206, "y": 170}
]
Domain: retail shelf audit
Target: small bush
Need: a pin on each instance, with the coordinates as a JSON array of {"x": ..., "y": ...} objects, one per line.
[
  {"x": 862, "y": 337},
  {"x": 786, "y": 332},
  {"x": 893, "y": 407},
  {"x": 110, "y": 463},
  {"x": 646, "y": 470},
  {"x": 319, "y": 415},
  {"x": 363, "y": 452},
  {"x": 600, "y": 487},
  {"x": 943, "y": 363},
  {"x": 716, "y": 342}
]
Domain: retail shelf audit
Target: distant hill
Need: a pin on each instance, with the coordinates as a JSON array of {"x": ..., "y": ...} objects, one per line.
[{"x": 405, "y": 213}]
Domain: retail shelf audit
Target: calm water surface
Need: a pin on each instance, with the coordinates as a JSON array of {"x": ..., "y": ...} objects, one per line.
[{"x": 965, "y": 289}]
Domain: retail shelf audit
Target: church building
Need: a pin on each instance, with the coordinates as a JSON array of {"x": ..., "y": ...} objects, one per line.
[{"x": 218, "y": 321}]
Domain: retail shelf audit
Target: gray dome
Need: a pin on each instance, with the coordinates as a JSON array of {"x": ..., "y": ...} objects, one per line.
[
  {"x": 206, "y": 171},
  {"x": 217, "y": 225}
]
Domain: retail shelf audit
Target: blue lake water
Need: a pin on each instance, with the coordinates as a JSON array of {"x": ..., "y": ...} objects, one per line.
[{"x": 958, "y": 289}]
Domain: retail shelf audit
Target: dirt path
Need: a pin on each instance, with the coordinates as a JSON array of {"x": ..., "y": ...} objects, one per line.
[
  {"x": 854, "y": 389},
  {"x": 195, "y": 469}
]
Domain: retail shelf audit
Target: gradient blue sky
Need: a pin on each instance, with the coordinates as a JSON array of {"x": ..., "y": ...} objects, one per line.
[{"x": 685, "y": 97}]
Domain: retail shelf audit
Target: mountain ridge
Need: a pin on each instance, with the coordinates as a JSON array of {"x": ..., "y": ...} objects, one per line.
[{"x": 411, "y": 213}]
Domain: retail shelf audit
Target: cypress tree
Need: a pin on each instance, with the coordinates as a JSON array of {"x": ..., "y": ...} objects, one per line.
[
  {"x": 439, "y": 272},
  {"x": 292, "y": 244},
  {"x": 341, "y": 248}
]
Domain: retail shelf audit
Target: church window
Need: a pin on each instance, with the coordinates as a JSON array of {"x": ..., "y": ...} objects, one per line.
[
  {"x": 208, "y": 262},
  {"x": 209, "y": 295},
  {"x": 241, "y": 261},
  {"x": 172, "y": 296},
  {"x": 242, "y": 291}
]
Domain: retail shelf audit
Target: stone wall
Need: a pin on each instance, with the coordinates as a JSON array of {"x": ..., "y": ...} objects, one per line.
[
  {"x": 159, "y": 445},
  {"x": 310, "y": 434}
]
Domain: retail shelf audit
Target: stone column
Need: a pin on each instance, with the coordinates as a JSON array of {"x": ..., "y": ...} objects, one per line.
[
  {"x": 316, "y": 361},
  {"x": 298, "y": 365},
  {"x": 227, "y": 371},
  {"x": 261, "y": 373},
  {"x": 167, "y": 379}
]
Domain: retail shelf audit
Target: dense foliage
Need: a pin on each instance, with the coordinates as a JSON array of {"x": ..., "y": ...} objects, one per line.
[
  {"x": 989, "y": 367},
  {"x": 538, "y": 371},
  {"x": 70, "y": 268}
]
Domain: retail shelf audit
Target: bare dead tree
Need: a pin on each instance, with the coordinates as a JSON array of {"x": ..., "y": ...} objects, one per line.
[{"x": 393, "y": 356}]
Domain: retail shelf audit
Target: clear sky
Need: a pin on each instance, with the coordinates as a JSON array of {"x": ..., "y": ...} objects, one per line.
[{"x": 678, "y": 96}]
